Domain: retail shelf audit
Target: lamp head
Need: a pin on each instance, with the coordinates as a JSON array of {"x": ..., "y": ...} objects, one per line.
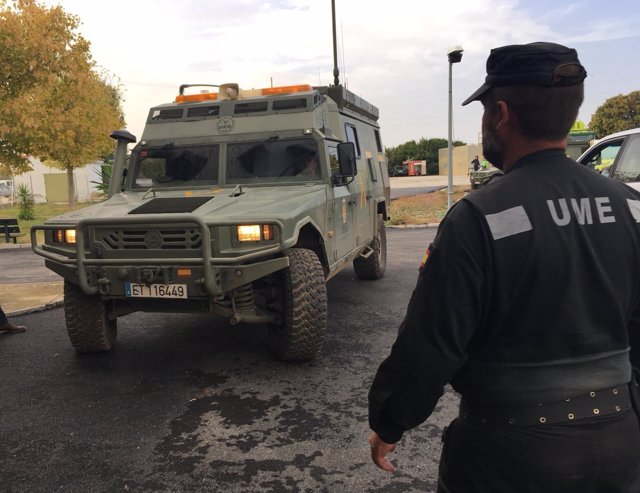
[{"x": 455, "y": 54}]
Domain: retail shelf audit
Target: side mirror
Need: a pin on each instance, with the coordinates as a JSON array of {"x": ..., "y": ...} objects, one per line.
[
  {"x": 118, "y": 170},
  {"x": 347, "y": 159}
]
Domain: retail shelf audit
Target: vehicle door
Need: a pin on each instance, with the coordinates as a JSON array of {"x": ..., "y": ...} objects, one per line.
[
  {"x": 361, "y": 189},
  {"x": 341, "y": 211}
]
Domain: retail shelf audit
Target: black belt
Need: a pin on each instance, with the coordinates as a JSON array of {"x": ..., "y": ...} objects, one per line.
[{"x": 591, "y": 405}]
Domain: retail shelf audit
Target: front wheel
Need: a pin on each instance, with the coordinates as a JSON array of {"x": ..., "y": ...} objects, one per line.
[
  {"x": 303, "y": 299},
  {"x": 375, "y": 264},
  {"x": 88, "y": 324}
]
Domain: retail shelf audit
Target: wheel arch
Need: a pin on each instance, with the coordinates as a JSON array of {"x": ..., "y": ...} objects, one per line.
[
  {"x": 381, "y": 208},
  {"x": 309, "y": 237}
]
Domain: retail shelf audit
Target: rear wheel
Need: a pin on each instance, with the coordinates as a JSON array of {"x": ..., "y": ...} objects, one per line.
[
  {"x": 303, "y": 300},
  {"x": 375, "y": 265},
  {"x": 89, "y": 327}
]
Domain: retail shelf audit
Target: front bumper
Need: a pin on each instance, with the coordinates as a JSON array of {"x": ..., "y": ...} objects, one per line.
[{"x": 100, "y": 271}]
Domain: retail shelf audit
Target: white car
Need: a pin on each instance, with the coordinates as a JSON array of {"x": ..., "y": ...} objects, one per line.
[{"x": 616, "y": 155}]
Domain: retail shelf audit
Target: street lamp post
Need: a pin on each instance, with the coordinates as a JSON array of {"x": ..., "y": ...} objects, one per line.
[{"x": 455, "y": 55}]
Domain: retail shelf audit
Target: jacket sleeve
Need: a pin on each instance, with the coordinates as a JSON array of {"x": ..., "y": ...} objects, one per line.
[{"x": 443, "y": 315}]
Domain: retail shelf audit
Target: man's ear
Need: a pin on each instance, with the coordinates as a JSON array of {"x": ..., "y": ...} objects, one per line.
[{"x": 504, "y": 116}]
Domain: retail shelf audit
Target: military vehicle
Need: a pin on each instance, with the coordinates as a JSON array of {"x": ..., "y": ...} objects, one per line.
[
  {"x": 241, "y": 203},
  {"x": 483, "y": 176}
]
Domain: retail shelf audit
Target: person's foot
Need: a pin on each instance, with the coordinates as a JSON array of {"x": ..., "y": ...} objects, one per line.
[{"x": 9, "y": 328}]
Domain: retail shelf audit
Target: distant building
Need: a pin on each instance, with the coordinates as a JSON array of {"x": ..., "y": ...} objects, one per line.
[
  {"x": 462, "y": 157},
  {"x": 49, "y": 184}
]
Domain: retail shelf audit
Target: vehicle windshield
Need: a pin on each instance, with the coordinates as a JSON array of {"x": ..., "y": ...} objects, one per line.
[
  {"x": 273, "y": 160},
  {"x": 175, "y": 166}
]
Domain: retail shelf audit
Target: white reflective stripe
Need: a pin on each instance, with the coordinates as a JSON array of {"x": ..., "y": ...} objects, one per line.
[
  {"x": 509, "y": 222},
  {"x": 634, "y": 207}
]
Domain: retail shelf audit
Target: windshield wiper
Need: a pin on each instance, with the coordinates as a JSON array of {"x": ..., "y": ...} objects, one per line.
[
  {"x": 151, "y": 190},
  {"x": 273, "y": 138},
  {"x": 236, "y": 191}
]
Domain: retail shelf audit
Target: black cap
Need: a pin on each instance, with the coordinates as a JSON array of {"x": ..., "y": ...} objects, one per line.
[{"x": 541, "y": 64}]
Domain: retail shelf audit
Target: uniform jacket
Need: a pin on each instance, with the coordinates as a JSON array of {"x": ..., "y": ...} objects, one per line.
[{"x": 530, "y": 294}]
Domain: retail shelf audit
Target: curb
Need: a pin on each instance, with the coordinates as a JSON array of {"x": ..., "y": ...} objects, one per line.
[
  {"x": 413, "y": 226},
  {"x": 11, "y": 246},
  {"x": 35, "y": 309}
]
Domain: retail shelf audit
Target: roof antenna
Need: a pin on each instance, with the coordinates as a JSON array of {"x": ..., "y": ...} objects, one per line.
[{"x": 336, "y": 71}]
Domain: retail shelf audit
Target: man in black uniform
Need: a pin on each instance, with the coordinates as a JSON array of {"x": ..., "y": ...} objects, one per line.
[
  {"x": 528, "y": 304},
  {"x": 475, "y": 163}
]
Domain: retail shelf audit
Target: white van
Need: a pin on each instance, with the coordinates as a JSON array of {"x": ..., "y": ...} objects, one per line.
[
  {"x": 6, "y": 188},
  {"x": 616, "y": 155}
]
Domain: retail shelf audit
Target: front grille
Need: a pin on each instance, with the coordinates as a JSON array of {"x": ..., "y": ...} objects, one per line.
[{"x": 151, "y": 239}]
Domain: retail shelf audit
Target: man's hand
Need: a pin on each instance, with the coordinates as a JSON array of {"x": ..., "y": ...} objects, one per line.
[{"x": 379, "y": 451}]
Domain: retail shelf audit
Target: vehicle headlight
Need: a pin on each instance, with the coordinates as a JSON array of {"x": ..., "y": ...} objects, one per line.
[
  {"x": 255, "y": 232},
  {"x": 64, "y": 235}
]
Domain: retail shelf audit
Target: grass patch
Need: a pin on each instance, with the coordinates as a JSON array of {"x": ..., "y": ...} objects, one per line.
[
  {"x": 424, "y": 208},
  {"x": 42, "y": 213}
]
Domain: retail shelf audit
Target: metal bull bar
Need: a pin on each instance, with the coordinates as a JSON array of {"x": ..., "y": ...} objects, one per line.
[{"x": 209, "y": 263}]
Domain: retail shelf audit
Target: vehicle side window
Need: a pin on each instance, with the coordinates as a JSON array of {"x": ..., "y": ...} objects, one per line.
[
  {"x": 628, "y": 168},
  {"x": 376, "y": 132},
  {"x": 352, "y": 136},
  {"x": 603, "y": 157}
]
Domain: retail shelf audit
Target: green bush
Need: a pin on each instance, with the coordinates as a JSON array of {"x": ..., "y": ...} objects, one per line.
[
  {"x": 104, "y": 176},
  {"x": 25, "y": 203}
]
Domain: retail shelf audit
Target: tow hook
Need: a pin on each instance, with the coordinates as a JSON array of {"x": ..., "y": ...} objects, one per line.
[{"x": 104, "y": 285}]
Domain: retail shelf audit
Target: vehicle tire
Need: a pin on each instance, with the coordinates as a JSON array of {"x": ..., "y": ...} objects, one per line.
[
  {"x": 89, "y": 327},
  {"x": 375, "y": 265},
  {"x": 300, "y": 336}
]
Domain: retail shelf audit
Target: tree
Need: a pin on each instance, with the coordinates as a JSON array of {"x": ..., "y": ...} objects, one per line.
[
  {"x": 36, "y": 45},
  {"x": 424, "y": 149},
  {"x": 55, "y": 104},
  {"x": 83, "y": 110},
  {"x": 616, "y": 114}
]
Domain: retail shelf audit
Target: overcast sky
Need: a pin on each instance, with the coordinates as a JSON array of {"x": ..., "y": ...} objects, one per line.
[{"x": 392, "y": 53}]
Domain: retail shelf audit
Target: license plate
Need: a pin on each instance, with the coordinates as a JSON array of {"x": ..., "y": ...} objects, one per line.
[{"x": 133, "y": 290}]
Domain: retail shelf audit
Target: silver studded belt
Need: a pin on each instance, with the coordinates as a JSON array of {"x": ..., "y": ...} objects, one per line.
[{"x": 593, "y": 404}]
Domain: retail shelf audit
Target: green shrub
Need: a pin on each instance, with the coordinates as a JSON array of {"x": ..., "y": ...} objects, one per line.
[
  {"x": 25, "y": 203},
  {"x": 105, "y": 177}
]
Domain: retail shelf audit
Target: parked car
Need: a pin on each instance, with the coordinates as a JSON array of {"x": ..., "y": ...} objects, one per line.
[
  {"x": 617, "y": 156},
  {"x": 399, "y": 171}
]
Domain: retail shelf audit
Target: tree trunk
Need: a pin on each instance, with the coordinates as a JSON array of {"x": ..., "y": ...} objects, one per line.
[{"x": 71, "y": 190}]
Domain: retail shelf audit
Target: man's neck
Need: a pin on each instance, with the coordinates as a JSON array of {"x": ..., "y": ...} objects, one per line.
[{"x": 519, "y": 147}]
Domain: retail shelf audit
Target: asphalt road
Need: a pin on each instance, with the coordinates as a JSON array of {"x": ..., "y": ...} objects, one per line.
[
  {"x": 21, "y": 265},
  {"x": 186, "y": 404}
]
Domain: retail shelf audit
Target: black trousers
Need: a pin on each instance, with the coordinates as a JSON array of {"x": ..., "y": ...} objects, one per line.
[{"x": 600, "y": 455}]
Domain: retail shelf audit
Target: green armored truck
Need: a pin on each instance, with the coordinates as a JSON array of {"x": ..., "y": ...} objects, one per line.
[{"x": 240, "y": 203}]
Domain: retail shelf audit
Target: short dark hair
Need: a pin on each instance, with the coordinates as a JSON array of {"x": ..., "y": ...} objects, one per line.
[{"x": 543, "y": 112}]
